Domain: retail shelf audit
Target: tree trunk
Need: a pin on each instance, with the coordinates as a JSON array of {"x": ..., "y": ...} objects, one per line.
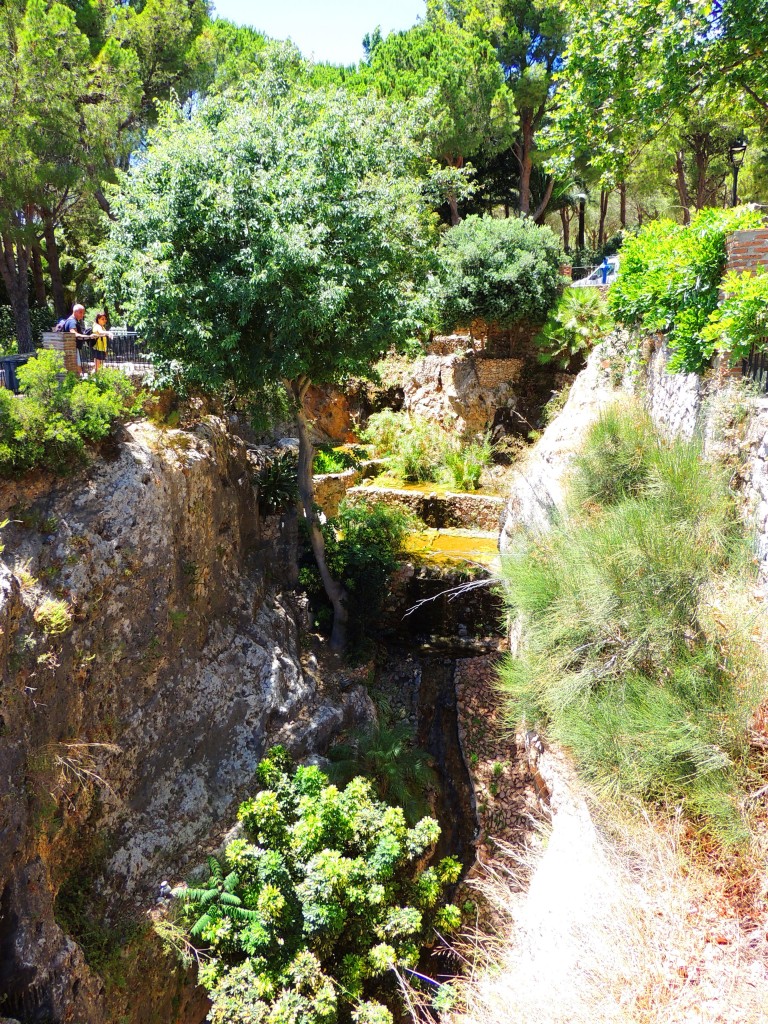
[
  {"x": 682, "y": 188},
  {"x": 14, "y": 265},
  {"x": 60, "y": 304},
  {"x": 454, "y": 161},
  {"x": 581, "y": 241},
  {"x": 623, "y": 205},
  {"x": 41, "y": 297},
  {"x": 542, "y": 208},
  {"x": 454, "y": 208},
  {"x": 565, "y": 220},
  {"x": 526, "y": 166},
  {"x": 604, "y": 197},
  {"x": 336, "y": 593}
]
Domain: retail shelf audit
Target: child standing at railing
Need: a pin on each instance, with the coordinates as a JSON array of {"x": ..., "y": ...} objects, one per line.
[{"x": 100, "y": 333}]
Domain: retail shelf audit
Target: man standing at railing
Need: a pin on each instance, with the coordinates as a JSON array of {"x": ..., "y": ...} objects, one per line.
[{"x": 76, "y": 325}]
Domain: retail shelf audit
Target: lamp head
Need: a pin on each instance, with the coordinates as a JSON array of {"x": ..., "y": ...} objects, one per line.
[{"x": 736, "y": 151}]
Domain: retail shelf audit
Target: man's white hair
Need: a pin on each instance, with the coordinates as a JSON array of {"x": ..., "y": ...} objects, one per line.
[{"x": 77, "y": 306}]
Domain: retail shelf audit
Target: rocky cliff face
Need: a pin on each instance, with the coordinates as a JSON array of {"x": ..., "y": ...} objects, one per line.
[{"x": 148, "y": 659}]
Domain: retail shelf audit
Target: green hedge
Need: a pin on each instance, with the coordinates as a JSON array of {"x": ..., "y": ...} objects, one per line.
[
  {"x": 49, "y": 423},
  {"x": 670, "y": 281},
  {"x": 501, "y": 271}
]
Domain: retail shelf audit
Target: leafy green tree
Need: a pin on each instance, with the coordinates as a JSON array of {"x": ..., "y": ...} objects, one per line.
[
  {"x": 323, "y": 896},
  {"x": 271, "y": 242},
  {"x": 162, "y": 35},
  {"x": 60, "y": 107},
  {"x": 362, "y": 544},
  {"x": 499, "y": 271},
  {"x": 630, "y": 68},
  {"x": 461, "y": 75},
  {"x": 528, "y": 37},
  {"x": 234, "y": 58}
]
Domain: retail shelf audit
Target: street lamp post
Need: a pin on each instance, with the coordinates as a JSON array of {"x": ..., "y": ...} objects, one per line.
[{"x": 736, "y": 152}]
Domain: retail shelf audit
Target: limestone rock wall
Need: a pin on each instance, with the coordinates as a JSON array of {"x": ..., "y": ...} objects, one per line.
[
  {"x": 731, "y": 423},
  {"x": 538, "y": 484},
  {"x": 463, "y": 391},
  {"x": 128, "y": 738}
]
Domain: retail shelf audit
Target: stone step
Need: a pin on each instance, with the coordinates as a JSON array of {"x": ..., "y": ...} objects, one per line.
[
  {"x": 454, "y": 546},
  {"x": 440, "y": 509}
]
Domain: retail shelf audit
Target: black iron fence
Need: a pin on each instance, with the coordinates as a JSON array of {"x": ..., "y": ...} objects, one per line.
[
  {"x": 121, "y": 348},
  {"x": 755, "y": 366}
]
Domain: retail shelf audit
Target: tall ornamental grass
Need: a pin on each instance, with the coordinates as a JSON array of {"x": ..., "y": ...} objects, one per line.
[{"x": 627, "y": 659}]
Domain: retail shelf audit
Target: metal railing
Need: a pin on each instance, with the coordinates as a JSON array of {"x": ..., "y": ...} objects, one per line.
[
  {"x": 755, "y": 366},
  {"x": 124, "y": 350}
]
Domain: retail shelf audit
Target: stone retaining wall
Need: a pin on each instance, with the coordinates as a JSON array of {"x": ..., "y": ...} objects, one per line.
[
  {"x": 730, "y": 422},
  {"x": 440, "y": 511},
  {"x": 331, "y": 488},
  {"x": 674, "y": 400}
]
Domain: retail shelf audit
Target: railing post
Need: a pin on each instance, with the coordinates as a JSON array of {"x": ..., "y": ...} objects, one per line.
[{"x": 64, "y": 342}]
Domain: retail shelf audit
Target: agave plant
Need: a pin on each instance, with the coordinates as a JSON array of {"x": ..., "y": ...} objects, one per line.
[{"x": 277, "y": 483}]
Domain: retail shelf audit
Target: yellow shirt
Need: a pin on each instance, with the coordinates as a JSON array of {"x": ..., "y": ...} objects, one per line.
[{"x": 100, "y": 334}]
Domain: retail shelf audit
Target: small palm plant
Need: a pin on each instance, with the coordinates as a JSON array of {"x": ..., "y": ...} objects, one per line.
[
  {"x": 579, "y": 321},
  {"x": 214, "y": 901},
  {"x": 386, "y": 754}
]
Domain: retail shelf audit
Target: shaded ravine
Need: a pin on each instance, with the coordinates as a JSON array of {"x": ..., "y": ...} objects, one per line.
[
  {"x": 438, "y": 733},
  {"x": 419, "y": 680}
]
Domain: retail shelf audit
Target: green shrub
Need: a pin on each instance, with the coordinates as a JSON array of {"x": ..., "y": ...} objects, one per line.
[
  {"x": 624, "y": 662},
  {"x": 579, "y": 321},
  {"x": 466, "y": 461},
  {"x": 386, "y": 753},
  {"x": 422, "y": 451},
  {"x": 48, "y": 424},
  {"x": 741, "y": 319},
  {"x": 383, "y": 430},
  {"x": 419, "y": 452},
  {"x": 615, "y": 460},
  {"x": 309, "y": 912},
  {"x": 670, "y": 280},
  {"x": 502, "y": 271},
  {"x": 277, "y": 483},
  {"x": 362, "y": 543},
  {"x": 333, "y": 460}
]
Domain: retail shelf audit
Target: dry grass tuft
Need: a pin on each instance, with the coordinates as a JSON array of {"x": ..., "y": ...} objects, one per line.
[{"x": 599, "y": 929}]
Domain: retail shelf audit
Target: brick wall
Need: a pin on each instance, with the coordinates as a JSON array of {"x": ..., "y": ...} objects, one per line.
[
  {"x": 747, "y": 249},
  {"x": 66, "y": 345}
]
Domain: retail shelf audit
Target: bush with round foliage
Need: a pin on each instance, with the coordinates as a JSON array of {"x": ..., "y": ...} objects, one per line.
[
  {"x": 311, "y": 909},
  {"x": 500, "y": 271}
]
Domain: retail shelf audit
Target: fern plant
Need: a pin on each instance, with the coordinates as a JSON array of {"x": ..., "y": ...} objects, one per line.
[{"x": 214, "y": 901}]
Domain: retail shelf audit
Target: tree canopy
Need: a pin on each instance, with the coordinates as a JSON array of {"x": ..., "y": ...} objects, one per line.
[
  {"x": 459, "y": 72},
  {"x": 275, "y": 240}
]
